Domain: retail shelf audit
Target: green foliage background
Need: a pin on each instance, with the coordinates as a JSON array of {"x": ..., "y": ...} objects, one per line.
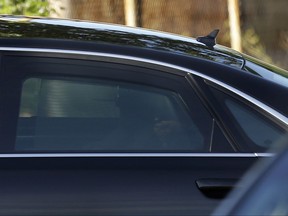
[{"x": 25, "y": 7}]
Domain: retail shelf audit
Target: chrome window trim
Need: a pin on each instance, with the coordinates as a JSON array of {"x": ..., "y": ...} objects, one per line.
[
  {"x": 264, "y": 154},
  {"x": 139, "y": 155},
  {"x": 252, "y": 100}
]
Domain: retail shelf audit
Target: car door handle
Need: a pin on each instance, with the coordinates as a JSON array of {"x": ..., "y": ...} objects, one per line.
[{"x": 216, "y": 188}]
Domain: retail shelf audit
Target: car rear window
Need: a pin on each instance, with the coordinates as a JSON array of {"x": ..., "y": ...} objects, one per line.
[{"x": 267, "y": 71}]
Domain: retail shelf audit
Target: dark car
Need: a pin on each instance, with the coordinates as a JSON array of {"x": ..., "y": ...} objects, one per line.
[
  {"x": 101, "y": 119},
  {"x": 264, "y": 190}
]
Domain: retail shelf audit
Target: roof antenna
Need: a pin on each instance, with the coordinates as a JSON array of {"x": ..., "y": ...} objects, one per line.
[{"x": 210, "y": 39}]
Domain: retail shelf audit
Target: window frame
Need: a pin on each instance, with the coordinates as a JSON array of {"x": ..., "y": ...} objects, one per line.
[
  {"x": 229, "y": 119},
  {"x": 171, "y": 80}
]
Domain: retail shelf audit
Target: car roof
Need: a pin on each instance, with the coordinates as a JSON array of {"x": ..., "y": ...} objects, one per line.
[
  {"x": 50, "y": 28},
  {"x": 20, "y": 33}
]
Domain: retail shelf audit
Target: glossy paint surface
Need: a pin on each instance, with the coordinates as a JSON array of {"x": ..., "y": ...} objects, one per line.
[
  {"x": 22, "y": 27},
  {"x": 125, "y": 183}
]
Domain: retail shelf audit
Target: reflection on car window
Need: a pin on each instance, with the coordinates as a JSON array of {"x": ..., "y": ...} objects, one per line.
[
  {"x": 256, "y": 128},
  {"x": 266, "y": 71},
  {"x": 104, "y": 116},
  {"x": 253, "y": 128}
]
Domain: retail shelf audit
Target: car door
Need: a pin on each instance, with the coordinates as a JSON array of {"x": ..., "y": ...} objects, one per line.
[{"x": 99, "y": 135}]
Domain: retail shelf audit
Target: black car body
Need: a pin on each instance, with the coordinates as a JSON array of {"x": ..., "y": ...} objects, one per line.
[
  {"x": 263, "y": 190},
  {"x": 101, "y": 119}
]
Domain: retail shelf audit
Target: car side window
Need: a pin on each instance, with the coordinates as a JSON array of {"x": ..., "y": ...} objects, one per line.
[
  {"x": 260, "y": 132},
  {"x": 253, "y": 128},
  {"x": 98, "y": 115}
]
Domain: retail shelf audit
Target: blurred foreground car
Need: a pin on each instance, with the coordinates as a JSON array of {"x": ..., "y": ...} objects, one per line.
[
  {"x": 101, "y": 119},
  {"x": 264, "y": 190}
]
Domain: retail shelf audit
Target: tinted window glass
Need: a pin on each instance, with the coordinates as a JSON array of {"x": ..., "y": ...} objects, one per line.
[
  {"x": 105, "y": 116},
  {"x": 252, "y": 127},
  {"x": 261, "y": 132}
]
